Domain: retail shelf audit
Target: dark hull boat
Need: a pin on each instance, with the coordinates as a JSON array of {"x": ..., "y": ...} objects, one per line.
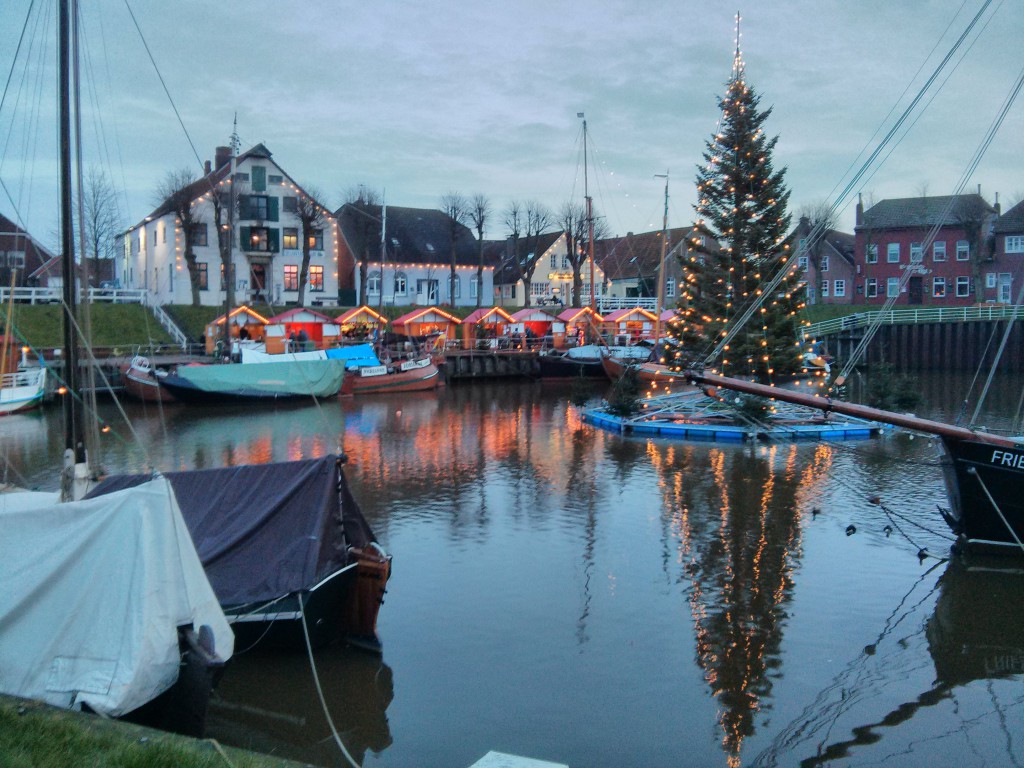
[
  {"x": 286, "y": 549},
  {"x": 562, "y": 366},
  {"x": 247, "y": 382},
  {"x": 984, "y": 473}
]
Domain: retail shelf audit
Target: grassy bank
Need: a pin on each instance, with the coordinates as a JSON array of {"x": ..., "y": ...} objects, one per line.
[
  {"x": 112, "y": 325},
  {"x": 33, "y": 735}
]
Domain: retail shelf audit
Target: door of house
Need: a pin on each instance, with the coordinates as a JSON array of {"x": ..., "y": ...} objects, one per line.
[
  {"x": 915, "y": 290},
  {"x": 426, "y": 292},
  {"x": 258, "y": 278},
  {"x": 1005, "y": 281}
]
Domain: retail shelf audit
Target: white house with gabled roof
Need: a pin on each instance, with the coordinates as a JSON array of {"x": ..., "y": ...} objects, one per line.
[{"x": 266, "y": 254}]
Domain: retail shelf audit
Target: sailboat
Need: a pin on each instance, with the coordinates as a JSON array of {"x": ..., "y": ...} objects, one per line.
[
  {"x": 21, "y": 387},
  {"x": 105, "y": 605}
]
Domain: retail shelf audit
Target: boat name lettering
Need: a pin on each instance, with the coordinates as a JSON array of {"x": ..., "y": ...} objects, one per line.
[{"x": 1007, "y": 459}]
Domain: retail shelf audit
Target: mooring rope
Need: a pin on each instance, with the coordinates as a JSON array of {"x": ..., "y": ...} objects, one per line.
[
  {"x": 981, "y": 482},
  {"x": 320, "y": 690}
]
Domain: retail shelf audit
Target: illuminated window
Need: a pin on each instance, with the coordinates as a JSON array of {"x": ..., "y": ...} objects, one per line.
[
  {"x": 291, "y": 276},
  {"x": 204, "y": 276},
  {"x": 316, "y": 239},
  {"x": 291, "y": 239},
  {"x": 316, "y": 278}
]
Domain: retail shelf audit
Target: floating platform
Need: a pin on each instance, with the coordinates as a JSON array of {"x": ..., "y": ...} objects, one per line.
[{"x": 693, "y": 416}]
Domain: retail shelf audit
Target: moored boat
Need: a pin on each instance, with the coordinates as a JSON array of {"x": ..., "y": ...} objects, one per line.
[
  {"x": 22, "y": 390},
  {"x": 141, "y": 381},
  {"x": 286, "y": 549},
  {"x": 244, "y": 382},
  {"x": 418, "y": 375}
]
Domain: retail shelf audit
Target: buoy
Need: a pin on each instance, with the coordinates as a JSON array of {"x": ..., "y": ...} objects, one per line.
[
  {"x": 850, "y": 530},
  {"x": 888, "y": 530},
  {"x": 874, "y": 499}
]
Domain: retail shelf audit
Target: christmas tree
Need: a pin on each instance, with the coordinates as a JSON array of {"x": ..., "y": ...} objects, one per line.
[{"x": 738, "y": 245}]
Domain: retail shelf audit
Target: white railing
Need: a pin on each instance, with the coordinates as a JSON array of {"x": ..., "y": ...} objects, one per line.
[
  {"x": 56, "y": 295},
  {"x": 612, "y": 303},
  {"x": 913, "y": 316}
]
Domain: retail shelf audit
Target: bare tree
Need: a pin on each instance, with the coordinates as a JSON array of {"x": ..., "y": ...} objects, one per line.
[
  {"x": 312, "y": 217},
  {"x": 224, "y": 225},
  {"x": 479, "y": 212},
  {"x": 366, "y": 203},
  {"x": 526, "y": 223},
  {"x": 816, "y": 220},
  {"x": 456, "y": 208},
  {"x": 177, "y": 191},
  {"x": 573, "y": 219},
  {"x": 972, "y": 213},
  {"x": 102, "y": 216}
]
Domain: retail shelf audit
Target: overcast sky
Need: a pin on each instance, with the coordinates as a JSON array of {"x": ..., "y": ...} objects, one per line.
[{"x": 419, "y": 99}]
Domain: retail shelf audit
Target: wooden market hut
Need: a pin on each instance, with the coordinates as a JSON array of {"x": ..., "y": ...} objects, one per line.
[
  {"x": 243, "y": 323},
  {"x": 483, "y": 327},
  {"x": 581, "y": 324},
  {"x": 627, "y": 326},
  {"x": 426, "y": 321},
  {"x": 319, "y": 330},
  {"x": 360, "y": 324},
  {"x": 538, "y": 326}
]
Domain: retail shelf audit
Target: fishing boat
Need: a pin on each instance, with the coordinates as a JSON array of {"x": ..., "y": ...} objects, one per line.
[
  {"x": 984, "y": 473},
  {"x": 105, "y": 605},
  {"x": 286, "y": 549},
  {"x": 243, "y": 382},
  {"x": 22, "y": 390},
  {"x": 418, "y": 375},
  {"x": 141, "y": 380}
]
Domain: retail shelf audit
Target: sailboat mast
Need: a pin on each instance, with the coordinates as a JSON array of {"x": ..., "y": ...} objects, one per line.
[
  {"x": 590, "y": 213},
  {"x": 74, "y": 441},
  {"x": 659, "y": 306}
]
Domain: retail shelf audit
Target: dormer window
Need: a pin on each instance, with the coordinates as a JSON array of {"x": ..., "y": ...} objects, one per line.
[{"x": 430, "y": 247}]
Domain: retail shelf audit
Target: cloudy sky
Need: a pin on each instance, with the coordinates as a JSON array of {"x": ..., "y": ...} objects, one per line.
[{"x": 420, "y": 99}]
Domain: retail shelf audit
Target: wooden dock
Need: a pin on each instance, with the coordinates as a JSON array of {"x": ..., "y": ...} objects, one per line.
[{"x": 464, "y": 365}]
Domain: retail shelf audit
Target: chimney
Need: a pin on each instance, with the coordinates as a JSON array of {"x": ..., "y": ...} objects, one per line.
[
  {"x": 996, "y": 206},
  {"x": 206, "y": 168},
  {"x": 860, "y": 211},
  {"x": 221, "y": 157}
]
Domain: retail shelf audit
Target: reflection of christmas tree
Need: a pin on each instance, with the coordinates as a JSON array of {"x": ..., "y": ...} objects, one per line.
[{"x": 741, "y": 206}]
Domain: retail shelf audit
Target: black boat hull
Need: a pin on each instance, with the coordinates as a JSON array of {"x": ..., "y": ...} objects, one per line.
[
  {"x": 186, "y": 392},
  {"x": 986, "y": 488},
  {"x": 561, "y": 367}
]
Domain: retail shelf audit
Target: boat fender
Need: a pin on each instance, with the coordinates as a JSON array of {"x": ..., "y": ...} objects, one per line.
[{"x": 851, "y": 529}]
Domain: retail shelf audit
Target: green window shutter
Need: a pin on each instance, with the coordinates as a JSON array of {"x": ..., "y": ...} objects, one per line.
[
  {"x": 272, "y": 207},
  {"x": 243, "y": 207},
  {"x": 274, "y": 240},
  {"x": 259, "y": 179},
  {"x": 245, "y": 235}
]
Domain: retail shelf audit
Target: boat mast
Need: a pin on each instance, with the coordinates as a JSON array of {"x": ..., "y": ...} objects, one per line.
[
  {"x": 590, "y": 213},
  {"x": 383, "y": 245},
  {"x": 658, "y": 307},
  {"x": 229, "y": 262},
  {"x": 75, "y": 468}
]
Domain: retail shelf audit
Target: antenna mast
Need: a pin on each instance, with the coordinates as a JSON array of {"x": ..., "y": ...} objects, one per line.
[{"x": 590, "y": 213}]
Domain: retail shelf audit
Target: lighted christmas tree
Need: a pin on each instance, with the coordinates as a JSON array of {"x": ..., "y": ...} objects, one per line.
[{"x": 739, "y": 243}]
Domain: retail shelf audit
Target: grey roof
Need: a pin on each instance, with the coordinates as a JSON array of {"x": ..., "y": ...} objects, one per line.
[
  {"x": 1011, "y": 222},
  {"x": 635, "y": 255},
  {"x": 413, "y": 236},
  {"x": 916, "y": 212},
  {"x": 505, "y": 269}
]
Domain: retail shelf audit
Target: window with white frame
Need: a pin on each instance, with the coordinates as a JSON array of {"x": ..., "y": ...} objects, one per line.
[
  {"x": 401, "y": 284},
  {"x": 916, "y": 253},
  {"x": 474, "y": 286},
  {"x": 824, "y": 289},
  {"x": 963, "y": 287},
  {"x": 824, "y": 263},
  {"x": 291, "y": 277},
  {"x": 990, "y": 279},
  {"x": 554, "y": 261},
  {"x": 801, "y": 261},
  {"x": 538, "y": 289},
  {"x": 839, "y": 288},
  {"x": 892, "y": 253},
  {"x": 963, "y": 250},
  {"x": 871, "y": 288},
  {"x": 892, "y": 287},
  {"x": 670, "y": 288},
  {"x": 373, "y": 284},
  {"x": 939, "y": 287},
  {"x": 939, "y": 250},
  {"x": 458, "y": 287},
  {"x": 871, "y": 253},
  {"x": 316, "y": 278},
  {"x": 1014, "y": 244}
]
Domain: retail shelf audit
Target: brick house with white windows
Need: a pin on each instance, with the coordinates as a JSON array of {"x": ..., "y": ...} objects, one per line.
[
  {"x": 21, "y": 255},
  {"x": 415, "y": 265},
  {"x": 1004, "y": 274},
  {"x": 828, "y": 269},
  {"x": 944, "y": 240},
  {"x": 630, "y": 263},
  {"x": 267, "y": 254}
]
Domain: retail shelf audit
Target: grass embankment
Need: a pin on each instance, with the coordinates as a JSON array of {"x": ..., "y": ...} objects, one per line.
[
  {"x": 33, "y": 735},
  {"x": 113, "y": 325},
  {"x": 817, "y": 313}
]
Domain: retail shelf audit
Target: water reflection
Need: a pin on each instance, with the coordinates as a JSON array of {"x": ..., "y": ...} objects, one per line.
[
  {"x": 966, "y": 613},
  {"x": 270, "y": 704},
  {"x": 735, "y": 514}
]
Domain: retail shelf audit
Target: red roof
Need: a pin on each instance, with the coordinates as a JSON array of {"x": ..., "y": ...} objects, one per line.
[
  {"x": 576, "y": 313},
  {"x": 479, "y": 315},
  {"x": 349, "y": 316},
  {"x": 290, "y": 316},
  {"x": 624, "y": 314}
]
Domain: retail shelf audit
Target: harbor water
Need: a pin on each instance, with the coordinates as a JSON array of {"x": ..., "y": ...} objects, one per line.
[{"x": 593, "y": 599}]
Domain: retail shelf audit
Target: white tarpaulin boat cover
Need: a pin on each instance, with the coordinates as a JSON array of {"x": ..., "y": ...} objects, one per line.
[{"x": 92, "y": 595}]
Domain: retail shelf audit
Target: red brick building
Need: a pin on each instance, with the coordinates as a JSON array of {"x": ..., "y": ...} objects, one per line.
[
  {"x": 943, "y": 242},
  {"x": 828, "y": 266},
  {"x": 1004, "y": 274},
  {"x": 20, "y": 254}
]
